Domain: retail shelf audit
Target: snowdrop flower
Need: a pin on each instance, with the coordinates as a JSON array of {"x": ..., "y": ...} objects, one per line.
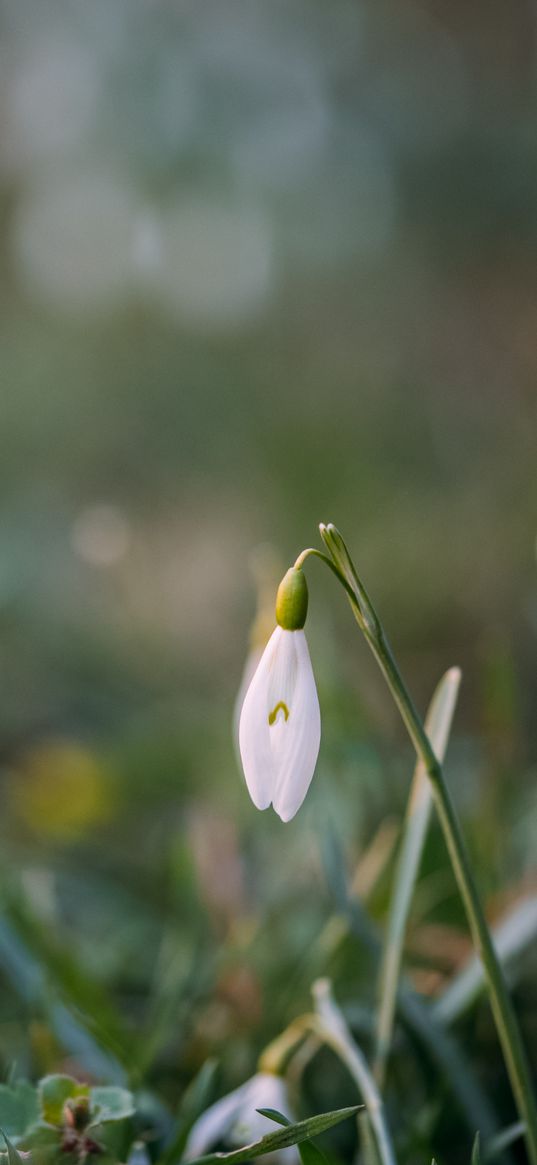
[
  {"x": 280, "y": 723},
  {"x": 234, "y": 1121}
]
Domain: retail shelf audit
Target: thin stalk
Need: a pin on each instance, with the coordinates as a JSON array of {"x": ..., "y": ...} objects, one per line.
[
  {"x": 502, "y": 1007},
  {"x": 333, "y": 1030},
  {"x": 437, "y": 727},
  {"x": 311, "y": 552}
]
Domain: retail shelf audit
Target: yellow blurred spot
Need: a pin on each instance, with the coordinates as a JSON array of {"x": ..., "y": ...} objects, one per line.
[{"x": 61, "y": 790}]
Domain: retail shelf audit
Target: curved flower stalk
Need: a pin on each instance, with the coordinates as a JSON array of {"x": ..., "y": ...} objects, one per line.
[
  {"x": 280, "y": 723},
  {"x": 341, "y": 564},
  {"x": 234, "y": 1119}
]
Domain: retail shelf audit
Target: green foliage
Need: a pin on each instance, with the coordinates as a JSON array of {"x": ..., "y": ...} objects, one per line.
[
  {"x": 65, "y": 1116},
  {"x": 104, "y": 1104},
  {"x": 19, "y": 1109},
  {"x": 292, "y": 1134},
  {"x": 310, "y": 1154}
]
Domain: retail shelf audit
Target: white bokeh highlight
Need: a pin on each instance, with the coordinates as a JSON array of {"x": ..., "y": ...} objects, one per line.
[
  {"x": 217, "y": 267},
  {"x": 72, "y": 239}
]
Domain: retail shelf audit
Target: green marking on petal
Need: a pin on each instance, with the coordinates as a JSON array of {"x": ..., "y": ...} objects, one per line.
[{"x": 274, "y": 713}]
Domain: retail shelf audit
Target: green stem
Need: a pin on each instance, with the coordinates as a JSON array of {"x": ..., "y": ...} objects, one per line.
[
  {"x": 502, "y": 1007},
  {"x": 311, "y": 552}
]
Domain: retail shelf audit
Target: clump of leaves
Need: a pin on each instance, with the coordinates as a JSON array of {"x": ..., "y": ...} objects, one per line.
[
  {"x": 65, "y": 1117},
  {"x": 65, "y": 1121}
]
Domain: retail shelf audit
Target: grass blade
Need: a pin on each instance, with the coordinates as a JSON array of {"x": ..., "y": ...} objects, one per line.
[
  {"x": 291, "y": 1135},
  {"x": 310, "y": 1154},
  {"x": 503, "y": 1140},
  {"x": 437, "y": 726}
]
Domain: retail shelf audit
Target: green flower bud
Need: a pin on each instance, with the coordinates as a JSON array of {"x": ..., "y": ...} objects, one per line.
[{"x": 292, "y": 600}]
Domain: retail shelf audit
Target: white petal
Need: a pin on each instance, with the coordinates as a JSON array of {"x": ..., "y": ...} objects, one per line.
[
  {"x": 279, "y": 754},
  {"x": 250, "y": 668},
  {"x": 213, "y": 1125},
  {"x": 264, "y": 1090},
  {"x": 300, "y": 736},
  {"x": 233, "y": 1120},
  {"x": 254, "y": 729}
]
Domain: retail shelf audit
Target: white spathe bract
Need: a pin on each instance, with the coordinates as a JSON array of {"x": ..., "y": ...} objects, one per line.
[
  {"x": 233, "y": 1120},
  {"x": 280, "y": 725}
]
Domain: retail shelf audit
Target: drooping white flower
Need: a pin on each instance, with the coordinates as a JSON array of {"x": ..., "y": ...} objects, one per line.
[
  {"x": 234, "y": 1119},
  {"x": 280, "y": 723}
]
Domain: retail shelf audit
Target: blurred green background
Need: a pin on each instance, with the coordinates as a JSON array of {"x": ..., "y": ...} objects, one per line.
[{"x": 264, "y": 263}]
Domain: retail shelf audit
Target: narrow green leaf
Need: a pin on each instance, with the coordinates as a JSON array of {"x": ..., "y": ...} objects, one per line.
[
  {"x": 503, "y": 1140},
  {"x": 291, "y": 1135},
  {"x": 310, "y": 1154},
  {"x": 437, "y": 727},
  {"x": 476, "y": 1151},
  {"x": 274, "y": 1115}
]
